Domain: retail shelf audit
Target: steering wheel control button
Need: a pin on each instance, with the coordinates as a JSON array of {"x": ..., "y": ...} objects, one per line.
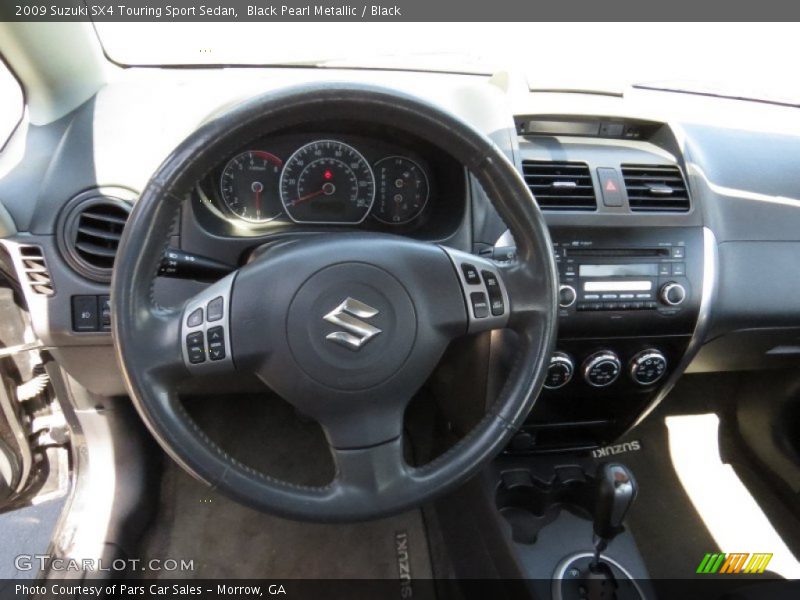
[
  {"x": 566, "y": 296},
  {"x": 84, "y": 313},
  {"x": 648, "y": 367},
  {"x": 480, "y": 307},
  {"x": 560, "y": 371},
  {"x": 216, "y": 343},
  {"x": 470, "y": 274},
  {"x": 495, "y": 293},
  {"x": 195, "y": 319},
  {"x": 483, "y": 289},
  {"x": 601, "y": 368},
  {"x": 195, "y": 346},
  {"x": 214, "y": 310}
]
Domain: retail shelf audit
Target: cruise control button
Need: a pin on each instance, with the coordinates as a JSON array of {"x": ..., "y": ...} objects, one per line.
[
  {"x": 480, "y": 308},
  {"x": 470, "y": 274},
  {"x": 195, "y": 319},
  {"x": 214, "y": 309},
  {"x": 495, "y": 293}
]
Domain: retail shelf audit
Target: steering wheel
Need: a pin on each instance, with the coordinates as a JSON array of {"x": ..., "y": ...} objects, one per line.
[{"x": 344, "y": 326}]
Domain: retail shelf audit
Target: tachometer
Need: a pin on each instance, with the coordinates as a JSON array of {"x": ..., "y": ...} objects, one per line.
[
  {"x": 249, "y": 186},
  {"x": 327, "y": 182},
  {"x": 402, "y": 190}
]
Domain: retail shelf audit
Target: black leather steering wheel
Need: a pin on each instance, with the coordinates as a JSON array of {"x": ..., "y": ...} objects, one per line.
[{"x": 344, "y": 326}]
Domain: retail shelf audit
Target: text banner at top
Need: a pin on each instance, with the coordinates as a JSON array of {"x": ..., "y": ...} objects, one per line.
[{"x": 403, "y": 10}]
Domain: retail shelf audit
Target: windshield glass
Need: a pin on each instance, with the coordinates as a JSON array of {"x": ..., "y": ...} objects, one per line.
[{"x": 732, "y": 59}]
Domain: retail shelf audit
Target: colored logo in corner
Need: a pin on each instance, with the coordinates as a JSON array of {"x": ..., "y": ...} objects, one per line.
[{"x": 731, "y": 564}]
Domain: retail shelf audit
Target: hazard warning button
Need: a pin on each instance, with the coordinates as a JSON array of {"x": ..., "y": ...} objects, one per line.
[{"x": 611, "y": 186}]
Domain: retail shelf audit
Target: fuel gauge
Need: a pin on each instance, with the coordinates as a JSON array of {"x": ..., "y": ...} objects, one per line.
[{"x": 402, "y": 190}]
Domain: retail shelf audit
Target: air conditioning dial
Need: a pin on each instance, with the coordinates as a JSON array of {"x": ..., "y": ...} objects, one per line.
[
  {"x": 601, "y": 368},
  {"x": 648, "y": 367},
  {"x": 560, "y": 371},
  {"x": 673, "y": 294}
]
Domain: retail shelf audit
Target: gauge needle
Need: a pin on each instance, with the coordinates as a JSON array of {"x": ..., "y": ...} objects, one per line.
[
  {"x": 307, "y": 197},
  {"x": 258, "y": 187}
]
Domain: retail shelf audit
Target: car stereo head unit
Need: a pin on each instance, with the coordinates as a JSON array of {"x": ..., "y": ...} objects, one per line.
[{"x": 619, "y": 278}]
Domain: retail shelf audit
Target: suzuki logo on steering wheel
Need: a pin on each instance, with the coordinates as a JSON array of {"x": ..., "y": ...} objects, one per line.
[{"x": 348, "y": 316}]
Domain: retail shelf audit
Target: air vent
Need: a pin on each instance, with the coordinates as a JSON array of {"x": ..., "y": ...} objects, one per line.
[
  {"x": 560, "y": 185},
  {"x": 90, "y": 234},
  {"x": 655, "y": 188},
  {"x": 35, "y": 271}
]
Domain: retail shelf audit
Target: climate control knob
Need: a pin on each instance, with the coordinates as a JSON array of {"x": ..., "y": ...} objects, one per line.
[
  {"x": 648, "y": 366},
  {"x": 601, "y": 368},
  {"x": 673, "y": 293},
  {"x": 560, "y": 371},
  {"x": 566, "y": 296}
]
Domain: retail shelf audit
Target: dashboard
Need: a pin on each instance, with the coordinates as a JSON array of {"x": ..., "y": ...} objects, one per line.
[
  {"x": 676, "y": 265},
  {"x": 335, "y": 176}
]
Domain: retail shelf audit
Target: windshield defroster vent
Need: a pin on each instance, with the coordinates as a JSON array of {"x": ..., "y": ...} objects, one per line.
[
  {"x": 90, "y": 233},
  {"x": 560, "y": 185},
  {"x": 655, "y": 188}
]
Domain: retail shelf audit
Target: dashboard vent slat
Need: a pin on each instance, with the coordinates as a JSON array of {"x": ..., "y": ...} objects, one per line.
[
  {"x": 655, "y": 188},
  {"x": 35, "y": 271},
  {"x": 91, "y": 233},
  {"x": 560, "y": 185}
]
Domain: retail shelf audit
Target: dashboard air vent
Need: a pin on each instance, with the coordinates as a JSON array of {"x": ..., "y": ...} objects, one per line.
[
  {"x": 560, "y": 185},
  {"x": 90, "y": 234},
  {"x": 655, "y": 188},
  {"x": 35, "y": 270}
]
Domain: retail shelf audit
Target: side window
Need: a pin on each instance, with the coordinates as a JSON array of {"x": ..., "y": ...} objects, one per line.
[{"x": 11, "y": 104}]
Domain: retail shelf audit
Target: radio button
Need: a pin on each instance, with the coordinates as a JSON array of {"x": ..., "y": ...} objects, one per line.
[
  {"x": 611, "y": 305},
  {"x": 609, "y": 296},
  {"x": 673, "y": 294},
  {"x": 626, "y": 296},
  {"x": 678, "y": 252},
  {"x": 665, "y": 269},
  {"x": 591, "y": 297},
  {"x": 679, "y": 269},
  {"x": 644, "y": 296},
  {"x": 566, "y": 296}
]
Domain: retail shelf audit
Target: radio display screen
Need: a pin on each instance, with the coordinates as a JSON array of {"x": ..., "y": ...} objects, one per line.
[{"x": 631, "y": 270}]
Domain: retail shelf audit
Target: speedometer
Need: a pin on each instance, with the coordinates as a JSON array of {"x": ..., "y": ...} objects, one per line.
[{"x": 327, "y": 182}]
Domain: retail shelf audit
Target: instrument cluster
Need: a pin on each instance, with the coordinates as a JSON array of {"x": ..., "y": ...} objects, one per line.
[{"x": 322, "y": 179}]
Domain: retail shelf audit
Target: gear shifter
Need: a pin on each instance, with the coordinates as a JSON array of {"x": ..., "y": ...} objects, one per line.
[{"x": 615, "y": 492}]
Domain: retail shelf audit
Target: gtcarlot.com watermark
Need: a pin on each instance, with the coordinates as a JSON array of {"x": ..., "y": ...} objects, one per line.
[{"x": 42, "y": 562}]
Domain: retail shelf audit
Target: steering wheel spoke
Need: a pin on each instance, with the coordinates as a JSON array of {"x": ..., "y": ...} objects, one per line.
[
  {"x": 530, "y": 298},
  {"x": 364, "y": 475}
]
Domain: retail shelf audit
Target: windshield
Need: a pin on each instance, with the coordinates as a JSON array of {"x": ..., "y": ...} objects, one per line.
[{"x": 731, "y": 59}]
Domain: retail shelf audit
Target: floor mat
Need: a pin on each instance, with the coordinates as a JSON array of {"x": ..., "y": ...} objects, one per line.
[
  {"x": 669, "y": 533},
  {"x": 227, "y": 540}
]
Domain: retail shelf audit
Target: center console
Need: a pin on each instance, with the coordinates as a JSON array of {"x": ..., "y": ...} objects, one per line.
[{"x": 629, "y": 302}]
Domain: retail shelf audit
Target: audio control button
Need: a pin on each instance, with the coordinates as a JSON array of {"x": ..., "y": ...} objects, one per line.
[
  {"x": 566, "y": 296},
  {"x": 673, "y": 294}
]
